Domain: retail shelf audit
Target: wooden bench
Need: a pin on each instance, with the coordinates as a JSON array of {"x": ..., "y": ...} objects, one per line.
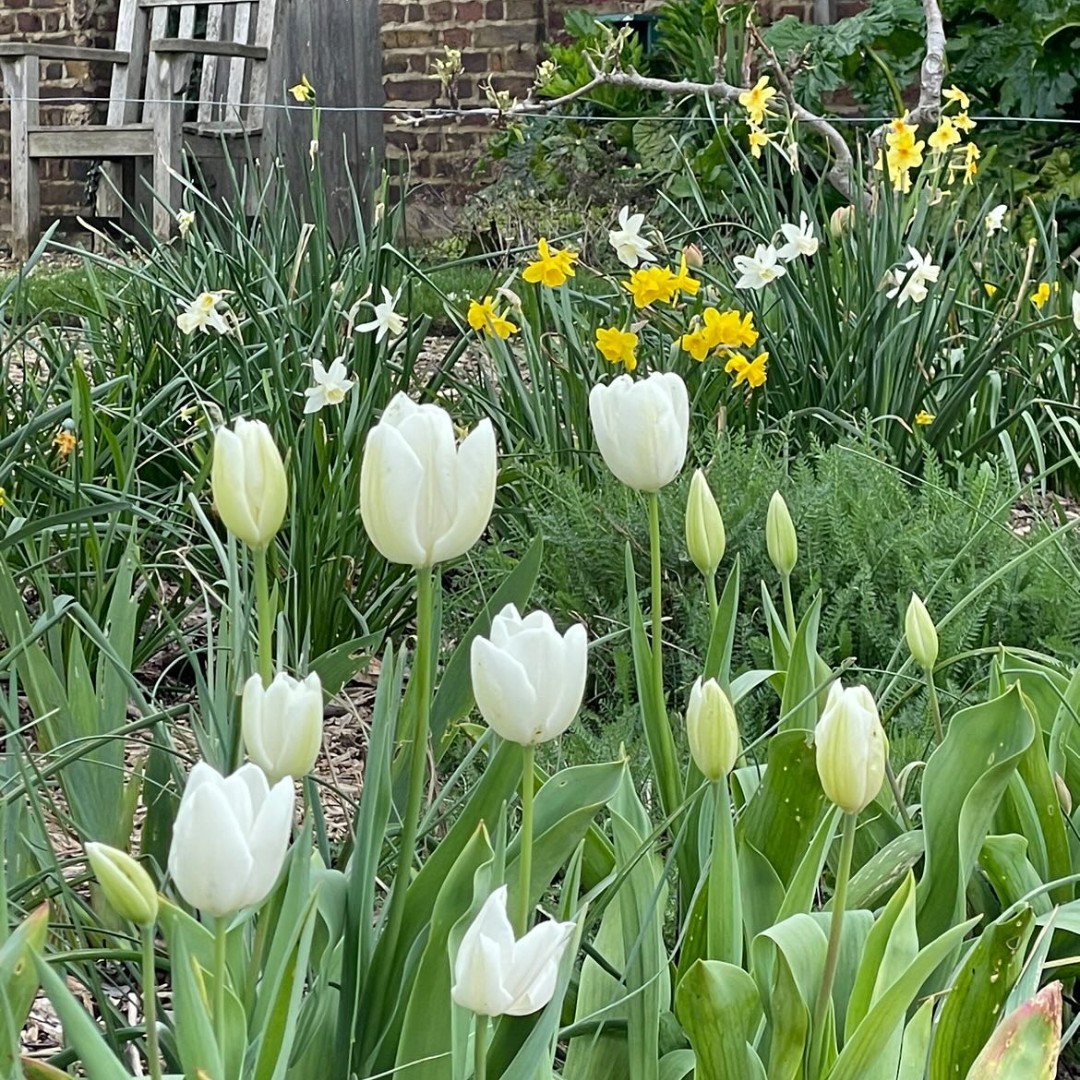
[{"x": 183, "y": 73}]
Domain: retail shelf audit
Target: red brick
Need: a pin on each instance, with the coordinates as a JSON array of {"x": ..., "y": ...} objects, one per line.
[
  {"x": 507, "y": 34},
  {"x": 523, "y": 9},
  {"x": 416, "y": 13},
  {"x": 413, "y": 90},
  {"x": 28, "y": 22},
  {"x": 471, "y": 11},
  {"x": 391, "y": 13},
  {"x": 440, "y": 11},
  {"x": 494, "y": 10},
  {"x": 457, "y": 37}
]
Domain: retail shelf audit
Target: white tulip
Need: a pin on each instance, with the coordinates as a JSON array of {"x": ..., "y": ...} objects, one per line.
[
  {"x": 921, "y": 633},
  {"x": 494, "y": 975},
  {"x": 528, "y": 679},
  {"x": 641, "y": 427},
  {"x": 423, "y": 499},
  {"x": 712, "y": 730},
  {"x": 248, "y": 480},
  {"x": 705, "y": 537},
  {"x": 282, "y": 724},
  {"x": 850, "y": 748},
  {"x": 229, "y": 838}
]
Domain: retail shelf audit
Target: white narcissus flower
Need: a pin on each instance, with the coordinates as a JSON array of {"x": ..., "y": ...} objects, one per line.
[
  {"x": 761, "y": 269},
  {"x": 995, "y": 219},
  {"x": 386, "y": 321},
  {"x": 282, "y": 724},
  {"x": 630, "y": 246},
  {"x": 229, "y": 838},
  {"x": 851, "y": 748},
  {"x": 202, "y": 314},
  {"x": 247, "y": 478},
  {"x": 423, "y": 498},
  {"x": 494, "y": 975},
  {"x": 185, "y": 220},
  {"x": 527, "y": 678},
  {"x": 330, "y": 386},
  {"x": 641, "y": 428},
  {"x": 1076, "y": 308},
  {"x": 912, "y": 285},
  {"x": 800, "y": 239}
]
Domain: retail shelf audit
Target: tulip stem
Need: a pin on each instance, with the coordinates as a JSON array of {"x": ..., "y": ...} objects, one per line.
[
  {"x": 839, "y": 903},
  {"x": 425, "y": 629},
  {"x": 525, "y": 858},
  {"x": 935, "y": 707},
  {"x": 221, "y": 934},
  {"x": 480, "y": 1048},
  {"x": 725, "y": 909},
  {"x": 265, "y": 617},
  {"x": 789, "y": 610},
  {"x": 655, "y": 567},
  {"x": 149, "y": 991},
  {"x": 714, "y": 604}
]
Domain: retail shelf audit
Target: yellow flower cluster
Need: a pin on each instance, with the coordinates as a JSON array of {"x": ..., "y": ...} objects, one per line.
[
  {"x": 751, "y": 372},
  {"x": 483, "y": 316},
  {"x": 720, "y": 330},
  {"x": 617, "y": 346},
  {"x": 550, "y": 268},
  {"x": 756, "y": 103},
  {"x": 659, "y": 283},
  {"x": 903, "y": 154}
]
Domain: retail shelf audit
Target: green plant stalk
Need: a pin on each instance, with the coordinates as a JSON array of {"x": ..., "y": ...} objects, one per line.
[
  {"x": 898, "y": 795},
  {"x": 480, "y": 1046},
  {"x": 425, "y": 608},
  {"x": 264, "y": 616},
  {"x": 725, "y": 909},
  {"x": 839, "y": 902},
  {"x": 221, "y": 933},
  {"x": 525, "y": 863},
  {"x": 149, "y": 984},
  {"x": 935, "y": 707},
  {"x": 789, "y": 609},
  {"x": 667, "y": 773},
  {"x": 714, "y": 604}
]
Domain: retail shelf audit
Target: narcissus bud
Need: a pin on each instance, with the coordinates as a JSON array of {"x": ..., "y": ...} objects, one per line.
[
  {"x": 712, "y": 730},
  {"x": 126, "y": 885},
  {"x": 695, "y": 260},
  {"x": 921, "y": 634},
  {"x": 705, "y": 537},
  {"x": 841, "y": 221},
  {"x": 780, "y": 536}
]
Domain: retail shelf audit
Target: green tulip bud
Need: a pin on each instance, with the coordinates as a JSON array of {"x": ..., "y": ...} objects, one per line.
[
  {"x": 126, "y": 885},
  {"x": 850, "y": 748},
  {"x": 780, "y": 536},
  {"x": 921, "y": 634},
  {"x": 705, "y": 538},
  {"x": 712, "y": 730}
]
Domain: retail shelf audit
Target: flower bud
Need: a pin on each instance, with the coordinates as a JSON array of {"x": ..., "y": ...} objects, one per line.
[
  {"x": 249, "y": 483},
  {"x": 705, "y": 538},
  {"x": 712, "y": 730},
  {"x": 1063, "y": 794},
  {"x": 780, "y": 536},
  {"x": 841, "y": 220},
  {"x": 921, "y": 634},
  {"x": 850, "y": 748},
  {"x": 282, "y": 724},
  {"x": 695, "y": 260},
  {"x": 126, "y": 885}
]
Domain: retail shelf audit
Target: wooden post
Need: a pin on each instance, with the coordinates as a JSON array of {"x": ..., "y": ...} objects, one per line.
[
  {"x": 336, "y": 44},
  {"x": 167, "y": 113},
  {"x": 21, "y": 78}
]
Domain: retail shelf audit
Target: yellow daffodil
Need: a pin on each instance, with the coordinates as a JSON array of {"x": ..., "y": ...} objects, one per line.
[
  {"x": 617, "y": 346},
  {"x": 720, "y": 329},
  {"x": 903, "y": 157},
  {"x": 945, "y": 136},
  {"x": 955, "y": 94},
  {"x": 756, "y": 100},
  {"x": 303, "y": 91},
  {"x": 1041, "y": 295},
  {"x": 3, "y": 498},
  {"x": 759, "y": 139},
  {"x": 900, "y": 132},
  {"x": 971, "y": 156},
  {"x": 65, "y": 442},
  {"x": 922, "y": 418},
  {"x": 991, "y": 290},
  {"x": 964, "y": 122},
  {"x": 751, "y": 372},
  {"x": 697, "y": 343},
  {"x": 551, "y": 268},
  {"x": 649, "y": 284},
  {"x": 482, "y": 316},
  {"x": 683, "y": 282}
]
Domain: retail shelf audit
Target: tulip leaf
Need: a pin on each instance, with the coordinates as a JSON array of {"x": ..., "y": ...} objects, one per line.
[
  {"x": 885, "y": 869},
  {"x": 339, "y": 665},
  {"x": 1004, "y": 861},
  {"x": 32, "y": 1069},
  {"x": 722, "y": 638},
  {"x": 454, "y": 697},
  {"x": 964, "y": 781},
  {"x": 798, "y": 703},
  {"x": 719, "y": 1007},
  {"x": 762, "y": 890},
  {"x": 782, "y": 816},
  {"x": 564, "y": 809},
  {"x": 679, "y": 1064},
  {"x": 807, "y": 877},
  {"x": 426, "y": 1043},
  {"x": 916, "y": 1045},
  {"x": 19, "y": 982},
  {"x": 978, "y": 994}
]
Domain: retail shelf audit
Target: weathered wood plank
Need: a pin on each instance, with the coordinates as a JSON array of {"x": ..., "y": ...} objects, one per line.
[
  {"x": 47, "y": 51},
  {"x": 234, "y": 93},
  {"x": 206, "y": 110},
  {"x": 208, "y": 48},
  {"x": 90, "y": 142},
  {"x": 22, "y": 80}
]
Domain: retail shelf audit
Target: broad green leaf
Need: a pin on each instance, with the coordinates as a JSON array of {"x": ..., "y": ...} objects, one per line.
[
  {"x": 799, "y": 898},
  {"x": 978, "y": 993},
  {"x": 677, "y": 1065},
  {"x": 762, "y": 890},
  {"x": 917, "y": 1043},
  {"x": 1004, "y": 861},
  {"x": 1027, "y": 1042},
  {"x": 722, "y": 638},
  {"x": 719, "y": 1007},
  {"x": 962, "y": 786},
  {"x": 339, "y": 665},
  {"x": 19, "y": 982},
  {"x": 884, "y": 871},
  {"x": 798, "y": 703}
]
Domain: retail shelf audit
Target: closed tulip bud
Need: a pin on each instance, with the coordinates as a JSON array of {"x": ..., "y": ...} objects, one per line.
[
  {"x": 851, "y": 748},
  {"x": 494, "y": 975},
  {"x": 780, "y": 536},
  {"x": 248, "y": 481},
  {"x": 282, "y": 724},
  {"x": 125, "y": 883},
  {"x": 229, "y": 838},
  {"x": 712, "y": 730},
  {"x": 921, "y": 634},
  {"x": 695, "y": 260},
  {"x": 841, "y": 220},
  {"x": 423, "y": 498},
  {"x": 1064, "y": 794},
  {"x": 705, "y": 538},
  {"x": 641, "y": 428},
  {"x": 528, "y": 680}
]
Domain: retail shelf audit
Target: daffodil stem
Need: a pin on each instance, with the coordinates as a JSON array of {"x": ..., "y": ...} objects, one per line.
[
  {"x": 789, "y": 609},
  {"x": 525, "y": 858},
  {"x": 264, "y": 616},
  {"x": 149, "y": 990},
  {"x": 221, "y": 934},
  {"x": 839, "y": 903},
  {"x": 425, "y": 630},
  {"x": 935, "y": 707},
  {"x": 480, "y": 1048},
  {"x": 714, "y": 604}
]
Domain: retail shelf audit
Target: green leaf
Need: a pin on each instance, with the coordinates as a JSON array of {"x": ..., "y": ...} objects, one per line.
[
  {"x": 19, "y": 982},
  {"x": 917, "y": 1043},
  {"x": 798, "y": 703},
  {"x": 883, "y": 871},
  {"x": 799, "y": 898},
  {"x": 722, "y": 637},
  {"x": 1004, "y": 861}
]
